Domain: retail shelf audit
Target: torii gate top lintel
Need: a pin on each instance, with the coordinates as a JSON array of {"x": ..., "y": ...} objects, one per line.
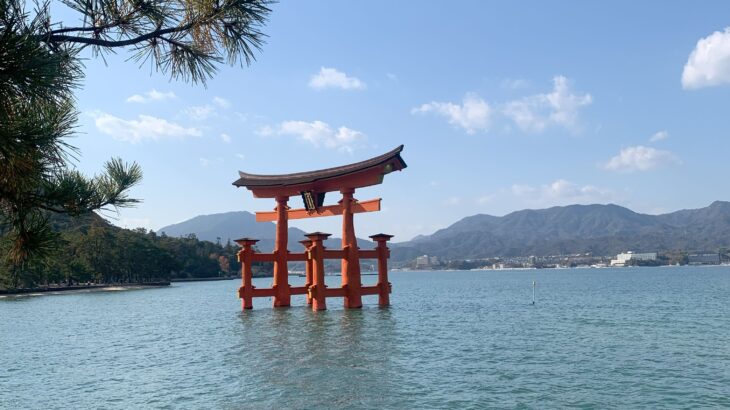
[{"x": 357, "y": 175}]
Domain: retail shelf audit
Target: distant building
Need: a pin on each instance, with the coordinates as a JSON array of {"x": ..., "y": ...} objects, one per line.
[
  {"x": 423, "y": 261},
  {"x": 704, "y": 259},
  {"x": 623, "y": 258}
]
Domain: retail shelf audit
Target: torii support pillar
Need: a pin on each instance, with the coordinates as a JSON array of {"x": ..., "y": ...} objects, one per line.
[
  {"x": 308, "y": 265},
  {"x": 245, "y": 256},
  {"x": 384, "y": 287},
  {"x": 316, "y": 255}
]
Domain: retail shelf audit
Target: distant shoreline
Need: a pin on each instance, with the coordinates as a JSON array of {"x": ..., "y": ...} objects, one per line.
[
  {"x": 291, "y": 274},
  {"x": 51, "y": 290},
  {"x": 204, "y": 279},
  {"x": 214, "y": 278}
]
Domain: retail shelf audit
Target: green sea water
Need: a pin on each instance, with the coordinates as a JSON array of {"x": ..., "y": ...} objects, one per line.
[{"x": 595, "y": 338}]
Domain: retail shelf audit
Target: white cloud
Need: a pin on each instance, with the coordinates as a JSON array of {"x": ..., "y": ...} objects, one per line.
[
  {"x": 226, "y": 138},
  {"x": 136, "y": 98},
  {"x": 559, "y": 107},
  {"x": 265, "y": 131},
  {"x": 561, "y": 192},
  {"x": 640, "y": 158},
  {"x": 206, "y": 111},
  {"x": 319, "y": 133},
  {"x": 522, "y": 190},
  {"x": 453, "y": 201},
  {"x": 659, "y": 136},
  {"x": 240, "y": 156},
  {"x": 204, "y": 162},
  {"x": 709, "y": 63},
  {"x": 222, "y": 102},
  {"x": 524, "y": 115},
  {"x": 150, "y": 96},
  {"x": 391, "y": 76},
  {"x": 565, "y": 189},
  {"x": 485, "y": 199},
  {"x": 533, "y": 113},
  {"x": 199, "y": 112},
  {"x": 515, "y": 83},
  {"x": 145, "y": 127},
  {"x": 472, "y": 115},
  {"x": 331, "y": 78}
]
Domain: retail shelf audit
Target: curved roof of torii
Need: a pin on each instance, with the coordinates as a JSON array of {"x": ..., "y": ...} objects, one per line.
[{"x": 359, "y": 174}]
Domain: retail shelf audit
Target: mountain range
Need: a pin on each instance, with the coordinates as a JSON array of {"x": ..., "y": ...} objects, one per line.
[{"x": 596, "y": 229}]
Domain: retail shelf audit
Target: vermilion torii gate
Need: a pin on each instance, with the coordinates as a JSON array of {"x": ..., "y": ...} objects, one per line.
[{"x": 312, "y": 187}]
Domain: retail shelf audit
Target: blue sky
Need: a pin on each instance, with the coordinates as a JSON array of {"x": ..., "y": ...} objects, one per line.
[{"x": 501, "y": 106}]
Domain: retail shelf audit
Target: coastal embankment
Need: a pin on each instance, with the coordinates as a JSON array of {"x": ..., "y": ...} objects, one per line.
[{"x": 50, "y": 290}]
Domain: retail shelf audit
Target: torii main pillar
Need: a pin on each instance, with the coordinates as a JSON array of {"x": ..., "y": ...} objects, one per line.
[
  {"x": 351, "y": 279},
  {"x": 281, "y": 269}
]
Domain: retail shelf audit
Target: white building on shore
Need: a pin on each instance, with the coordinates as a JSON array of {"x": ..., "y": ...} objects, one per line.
[
  {"x": 426, "y": 261},
  {"x": 623, "y": 258}
]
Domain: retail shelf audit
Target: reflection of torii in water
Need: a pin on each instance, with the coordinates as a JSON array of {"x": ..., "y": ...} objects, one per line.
[{"x": 312, "y": 186}]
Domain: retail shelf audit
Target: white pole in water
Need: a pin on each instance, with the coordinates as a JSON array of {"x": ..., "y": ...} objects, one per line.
[{"x": 533, "y": 292}]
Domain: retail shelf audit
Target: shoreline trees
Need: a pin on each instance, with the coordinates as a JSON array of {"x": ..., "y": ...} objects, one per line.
[{"x": 90, "y": 250}]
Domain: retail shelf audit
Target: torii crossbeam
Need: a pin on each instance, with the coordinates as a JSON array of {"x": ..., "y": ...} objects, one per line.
[{"x": 312, "y": 187}]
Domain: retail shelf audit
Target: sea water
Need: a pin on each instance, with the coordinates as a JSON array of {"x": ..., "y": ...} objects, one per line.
[{"x": 595, "y": 338}]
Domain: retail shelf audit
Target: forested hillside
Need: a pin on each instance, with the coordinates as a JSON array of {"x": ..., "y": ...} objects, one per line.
[{"x": 92, "y": 250}]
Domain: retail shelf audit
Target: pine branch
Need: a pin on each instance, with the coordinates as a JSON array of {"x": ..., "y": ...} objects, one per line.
[{"x": 62, "y": 38}]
